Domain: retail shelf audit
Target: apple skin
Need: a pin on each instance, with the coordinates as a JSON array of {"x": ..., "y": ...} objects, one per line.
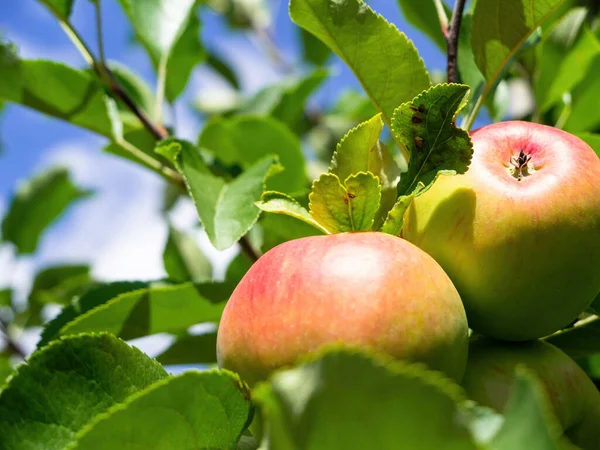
[
  {"x": 524, "y": 255},
  {"x": 573, "y": 396},
  {"x": 366, "y": 289}
]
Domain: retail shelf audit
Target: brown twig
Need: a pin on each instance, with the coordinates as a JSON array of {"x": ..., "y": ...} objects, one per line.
[
  {"x": 452, "y": 40},
  {"x": 248, "y": 249}
]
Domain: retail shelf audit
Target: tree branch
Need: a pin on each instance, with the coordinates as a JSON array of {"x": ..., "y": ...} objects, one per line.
[{"x": 452, "y": 40}]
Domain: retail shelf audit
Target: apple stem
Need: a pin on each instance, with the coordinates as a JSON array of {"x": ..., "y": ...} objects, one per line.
[{"x": 452, "y": 40}]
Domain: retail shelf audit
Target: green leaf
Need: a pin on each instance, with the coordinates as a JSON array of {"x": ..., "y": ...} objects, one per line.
[
  {"x": 357, "y": 151},
  {"x": 62, "y": 8},
  {"x": 313, "y": 50},
  {"x": 383, "y": 405},
  {"x": 88, "y": 301},
  {"x": 286, "y": 101},
  {"x": 226, "y": 209},
  {"x": 467, "y": 68},
  {"x": 5, "y": 297},
  {"x": 191, "y": 349},
  {"x": 426, "y": 128},
  {"x": 570, "y": 72},
  {"x": 424, "y": 16},
  {"x": 187, "y": 53},
  {"x": 349, "y": 207},
  {"x": 141, "y": 139},
  {"x": 36, "y": 205},
  {"x": 223, "y": 68},
  {"x": 552, "y": 51},
  {"x": 579, "y": 341},
  {"x": 55, "y": 90},
  {"x": 246, "y": 140},
  {"x": 500, "y": 27},
  {"x": 280, "y": 228},
  {"x": 154, "y": 310},
  {"x": 395, "y": 219},
  {"x": 183, "y": 260},
  {"x": 383, "y": 59},
  {"x": 528, "y": 417},
  {"x": 585, "y": 114},
  {"x": 6, "y": 369},
  {"x": 58, "y": 284},
  {"x": 207, "y": 410},
  {"x": 279, "y": 203},
  {"x": 593, "y": 140},
  {"x": 135, "y": 87},
  {"x": 66, "y": 385}
]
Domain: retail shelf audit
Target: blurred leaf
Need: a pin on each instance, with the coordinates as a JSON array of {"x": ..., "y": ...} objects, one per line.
[
  {"x": 279, "y": 203},
  {"x": 96, "y": 296},
  {"x": 135, "y": 87},
  {"x": 579, "y": 341},
  {"x": 171, "y": 195},
  {"x": 246, "y": 140},
  {"x": 552, "y": 51},
  {"x": 6, "y": 369},
  {"x": 467, "y": 68},
  {"x": 36, "y": 205},
  {"x": 5, "y": 297},
  {"x": 282, "y": 228},
  {"x": 154, "y": 310},
  {"x": 585, "y": 114},
  {"x": 593, "y": 140},
  {"x": 66, "y": 385},
  {"x": 424, "y": 16},
  {"x": 189, "y": 349},
  {"x": 170, "y": 32},
  {"x": 528, "y": 417},
  {"x": 395, "y": 219},
  {"x": 222, "y": 68},
  {"x": 226, "y": 209},
  {"x": 194, "y": 410},
  {"x": 253, "y": 14},
  {"x": 61, "y": 8},
  {"x": 58, "y": 284},
  {"x": 350, "y": 206},
  {"x": 570, "y": 72},
  {"x": 187, "y": 53},
  {"x": 286, "y": 101},
  {"x": 140, "y": 138},
  {"x": 426, "y": 128},
  {"x": 500, "y": 27},
  {"x": 183, "y": 260},
  {"x": 313, "y": 50},
  {"x": 385, "y": 62},
  {"x": 237, "y": 268},
  {"x": 247, "y": 442},
  {"x": 54, "y": 89},
  {"x": 384, "y": 405}
]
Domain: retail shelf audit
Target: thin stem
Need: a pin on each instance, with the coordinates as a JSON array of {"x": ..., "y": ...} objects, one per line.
[
  {"x": 77, "y": 41},
  {"x": 161, "y": 82},
  {"x": 99, "y": 33},
  {"x": 442, "y": 17},
  {"x": 248, "y": 249},
  {"x": 470, "y": 119},
  {"x": 452, "y": 40},
  {"x": 152, "y": 163}
]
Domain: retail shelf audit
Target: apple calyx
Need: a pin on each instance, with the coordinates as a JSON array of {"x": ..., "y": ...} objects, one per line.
[{"x": 520, "y": 165}]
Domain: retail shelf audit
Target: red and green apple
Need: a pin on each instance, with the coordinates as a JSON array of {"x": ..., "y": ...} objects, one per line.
[
  {"x": 364, "y": 289},
  {"x": 519, "y": 232}
]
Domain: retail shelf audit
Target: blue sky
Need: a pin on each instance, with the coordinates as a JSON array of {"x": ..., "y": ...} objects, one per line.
[{"x": 119, "y": 231}]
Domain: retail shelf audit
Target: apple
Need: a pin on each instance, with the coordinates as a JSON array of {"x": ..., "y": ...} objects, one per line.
[
  {"x": 573, "y": 396},
  {"x": 364, "y": 289},
  {"x": 519, "y": 232}
]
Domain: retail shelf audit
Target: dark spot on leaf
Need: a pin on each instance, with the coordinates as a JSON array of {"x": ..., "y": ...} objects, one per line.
[
  {"x": 438, "y": 162},
  {"x": 416, "y": 119},
  {"x": 351, "y": 195},
  {"x": 419, "y": 142},
  {"x": 422, "y": 108},
  {"x": 345, "y": 200}
]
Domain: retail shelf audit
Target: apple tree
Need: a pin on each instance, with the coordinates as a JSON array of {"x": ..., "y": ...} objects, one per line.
[{"x": 418, "y": 261}]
